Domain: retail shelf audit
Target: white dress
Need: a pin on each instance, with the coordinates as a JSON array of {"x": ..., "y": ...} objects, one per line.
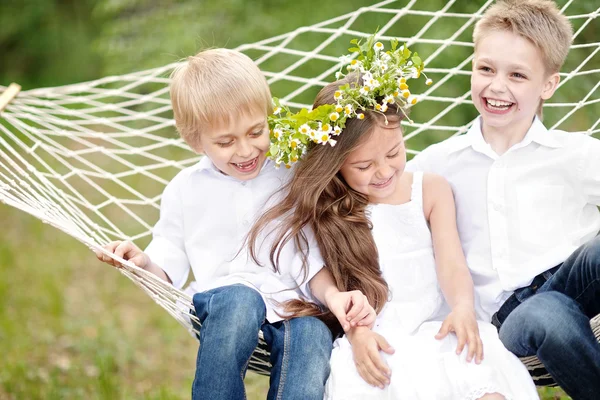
[{"x": 423, "y": 368}]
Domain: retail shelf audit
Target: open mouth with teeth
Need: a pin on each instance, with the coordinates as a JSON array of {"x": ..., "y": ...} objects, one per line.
[
  {"x": 246, "y": 166},
  {"x": 497, "y": 106},
  {"x": 383, "y": 184}
]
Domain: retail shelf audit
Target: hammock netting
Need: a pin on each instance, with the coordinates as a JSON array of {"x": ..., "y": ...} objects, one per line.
[{"x": 93, "y": 158}]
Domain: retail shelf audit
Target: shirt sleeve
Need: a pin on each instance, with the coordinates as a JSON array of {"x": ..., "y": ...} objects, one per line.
[
  {"x": 314, "y": 264},
  {"x": 422, "y": 161},
  {"x": 291, "y": 271},
  {"x": 167, "y": 248},
  {"x": 591, "y": 172}
]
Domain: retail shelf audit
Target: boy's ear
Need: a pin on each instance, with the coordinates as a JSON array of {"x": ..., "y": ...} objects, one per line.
[
  {"x": 550, "y": 86},
  {"x": 197, "y": 147}
]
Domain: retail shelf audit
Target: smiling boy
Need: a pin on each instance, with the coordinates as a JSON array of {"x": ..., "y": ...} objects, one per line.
[
  {"x": 527, "y": 197},
  {"x": 221, "y": 101}
]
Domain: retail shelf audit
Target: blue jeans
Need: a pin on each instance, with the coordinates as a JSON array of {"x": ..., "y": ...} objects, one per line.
[
  {"x": 551, "y": 319},
  {"x": 231, "y": 317}
]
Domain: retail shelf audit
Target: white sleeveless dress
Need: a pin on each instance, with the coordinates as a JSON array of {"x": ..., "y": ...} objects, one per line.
[{"x": 423, "y": 368}]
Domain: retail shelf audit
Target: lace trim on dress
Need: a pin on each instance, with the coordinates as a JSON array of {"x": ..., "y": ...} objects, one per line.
[{"x": 482, "y": 391}]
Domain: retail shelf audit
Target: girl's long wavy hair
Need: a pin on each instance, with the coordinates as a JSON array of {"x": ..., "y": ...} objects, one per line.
[{"x": 318, "y": 197}]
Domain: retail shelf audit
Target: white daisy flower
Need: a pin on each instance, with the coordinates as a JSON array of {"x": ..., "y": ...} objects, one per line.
[{"x": 304, "y": 129}]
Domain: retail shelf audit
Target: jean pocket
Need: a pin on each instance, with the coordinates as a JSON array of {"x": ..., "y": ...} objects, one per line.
[{"x": 523, "y": 294}]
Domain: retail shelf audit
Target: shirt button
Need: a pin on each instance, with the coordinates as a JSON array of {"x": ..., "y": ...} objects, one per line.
[{"x": 244, "y": 183}]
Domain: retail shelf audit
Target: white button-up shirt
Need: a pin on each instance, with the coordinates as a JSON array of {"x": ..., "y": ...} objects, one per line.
[
  {"x": 522, "y": 212},
  {"x": 204, "y": 219}
]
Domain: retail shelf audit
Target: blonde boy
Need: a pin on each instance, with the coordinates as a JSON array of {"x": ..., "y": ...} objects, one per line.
[
  {"x": 527, "y": 197},
  {"x": 220, "y": 102}
]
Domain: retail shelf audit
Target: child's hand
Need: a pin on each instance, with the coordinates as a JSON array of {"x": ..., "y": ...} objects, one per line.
[
  {"x": 125, "y": 250},
  {"x": 463, "y": 322},
  {"x": 366, "y": 346},
  {"x": 351, "y": 309}
]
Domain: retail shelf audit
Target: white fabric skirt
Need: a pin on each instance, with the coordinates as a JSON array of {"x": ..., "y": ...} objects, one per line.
[{"x": 424, "y": 368}]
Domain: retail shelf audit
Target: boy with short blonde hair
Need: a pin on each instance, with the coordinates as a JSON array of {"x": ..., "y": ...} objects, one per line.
[
  {"x": 221, "y": 101},
  {"x": 194, "y": 84},
  {"x": 527, "y": 197}
]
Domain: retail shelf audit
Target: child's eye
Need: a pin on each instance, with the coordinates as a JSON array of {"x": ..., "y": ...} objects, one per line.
[
  {"x": 485, "y": 69},
  {"x": 364, "y": 168},
  {"x": 258, "y": 133},
  {"x": 225, "y": 144},
  {"x": 394, "y": 155},
  {"x": 518, "y": 75}
]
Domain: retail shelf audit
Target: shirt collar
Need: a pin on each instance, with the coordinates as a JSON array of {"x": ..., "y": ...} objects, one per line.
[{"x": 537, "y": 133}]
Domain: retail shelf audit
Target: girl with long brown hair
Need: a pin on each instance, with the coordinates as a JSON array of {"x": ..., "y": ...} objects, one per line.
[{"x": 392, "y": 235}]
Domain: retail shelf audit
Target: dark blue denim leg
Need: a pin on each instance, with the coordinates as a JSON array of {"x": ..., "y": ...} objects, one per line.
[
  {"x": 552, "y": 326},
  {"x": 231, "y": 317},
  {"x": 579, "y": 278},
  {"x": 300, "y": 352}
]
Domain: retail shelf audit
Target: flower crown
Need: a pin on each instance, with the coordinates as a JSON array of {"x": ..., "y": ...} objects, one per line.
[{"x": 384, "y": 76}]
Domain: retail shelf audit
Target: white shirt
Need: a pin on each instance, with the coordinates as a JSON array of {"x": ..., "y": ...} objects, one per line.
[
  {"x": 204, "y": 219},
  {"x": 522, "y": 212}
]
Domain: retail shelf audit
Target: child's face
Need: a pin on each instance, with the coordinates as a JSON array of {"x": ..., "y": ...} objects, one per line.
[
  {"x": 238, "y": 149},
  {"x": 509, "y": 80},
  {"x": 375, "y": 167}
]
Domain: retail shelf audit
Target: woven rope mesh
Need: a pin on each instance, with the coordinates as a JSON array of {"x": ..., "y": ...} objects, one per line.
[{"x": 93, "y": 158}]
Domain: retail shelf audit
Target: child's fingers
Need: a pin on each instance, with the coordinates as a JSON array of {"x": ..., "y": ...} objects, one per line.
[
  {"x": 384, "y": 345},
  {"x": 368, "y": 319},
  {"x": 462, "y": 341},
  {"x": 444, "y": 329},
  {"x": 138, "y": 260},
  {"x": 374, "y": 375},
  {"x": 366, "y": 312},
  {"x": 472, "y": 346},
  {"x": 381, "y": 365},
  {"x": 110, "y": 247},
  {"x": 479, "y": 356},
  {"x": 340, "y": 314},
  {"x": 123, "y": 249},
  {"x": 358, "y": 303},
  {"x": 365, "y": 373}
]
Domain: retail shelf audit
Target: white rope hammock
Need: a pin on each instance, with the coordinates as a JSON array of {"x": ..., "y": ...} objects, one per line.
[{"x": 92, "y": 158}]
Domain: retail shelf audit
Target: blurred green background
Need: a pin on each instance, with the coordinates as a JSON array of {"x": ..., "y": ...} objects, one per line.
[{"x": 70, "y": 327}]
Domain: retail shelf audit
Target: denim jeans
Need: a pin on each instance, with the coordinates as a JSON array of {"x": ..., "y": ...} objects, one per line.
[
  {"x": 231, "y": 317},
  {"x": 551, "y": 319}
]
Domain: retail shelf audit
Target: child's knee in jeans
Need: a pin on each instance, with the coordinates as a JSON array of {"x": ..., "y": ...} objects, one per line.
[
  {"x": 235, "y": 307},
  {"x": 592, "y": 249},
  {"x": 313, "y": 329},
  {"x": 543, "y": 315}
]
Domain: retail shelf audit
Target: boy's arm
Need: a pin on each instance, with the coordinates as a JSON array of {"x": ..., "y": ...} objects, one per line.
[
  {"x": 167, "y": 248},
  {"x": 453, "y": 274}
]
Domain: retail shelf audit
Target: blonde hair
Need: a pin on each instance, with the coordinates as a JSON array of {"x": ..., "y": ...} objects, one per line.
[
  {"x": 214, "y": 87},
  {"x": 538, "y": 21}
]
